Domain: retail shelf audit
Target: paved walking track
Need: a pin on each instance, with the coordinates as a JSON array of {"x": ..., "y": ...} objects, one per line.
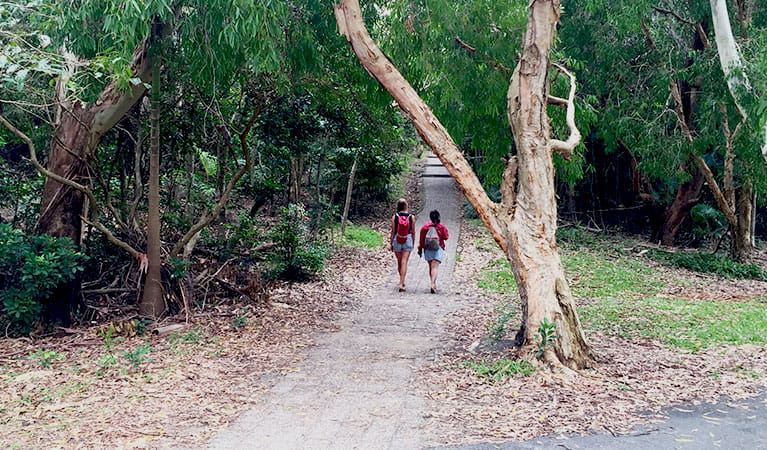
[{"x": 351, "y": 391}]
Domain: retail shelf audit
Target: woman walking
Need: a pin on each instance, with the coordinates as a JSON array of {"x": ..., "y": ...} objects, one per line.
[
  {"x": 432, "y": 245},
  {"x": 402, "y": 238}
]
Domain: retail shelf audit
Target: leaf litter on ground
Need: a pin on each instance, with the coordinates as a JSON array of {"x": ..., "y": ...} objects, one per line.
[{"x": 633, "y": 380}]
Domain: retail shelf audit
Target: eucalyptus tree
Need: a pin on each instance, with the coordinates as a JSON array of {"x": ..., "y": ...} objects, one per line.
[
  {"x": 671, "y": 107},
  {"x": 103, "y": 65},
  {"x": 523, "y": 223}
]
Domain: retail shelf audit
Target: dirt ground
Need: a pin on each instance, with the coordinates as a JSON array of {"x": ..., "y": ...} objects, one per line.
[
  {"x": 630, "y": 384},
  {"x": 188, "y": 386},
  {"x": 86, "y": 391}
]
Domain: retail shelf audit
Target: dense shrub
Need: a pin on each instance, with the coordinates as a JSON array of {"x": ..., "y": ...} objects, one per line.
[
  {"x": 30, "y": 268},
  {"x": 296, "y": 257}
]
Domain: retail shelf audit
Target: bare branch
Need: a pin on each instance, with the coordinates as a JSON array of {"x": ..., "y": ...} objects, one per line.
[
  {"x": 647, "y": 36},
  {"x": 566, "y": 148},
  {"x": 674, "y": 14},
  {"x": 93, "y": 221},
  {"x": 558, "y": 101},
  {"x": 497, "y": 65}
]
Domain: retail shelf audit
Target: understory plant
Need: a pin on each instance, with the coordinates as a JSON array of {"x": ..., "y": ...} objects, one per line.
[
  {"x": 30, "y": 268},
  {"x": 501, "y": 369},
  {"x": 296, "y": 256}
]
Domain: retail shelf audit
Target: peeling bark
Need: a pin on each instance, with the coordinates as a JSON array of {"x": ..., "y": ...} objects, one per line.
[
  {"x": 524, "y": 223},
  {"x": 72, "y": 148}
]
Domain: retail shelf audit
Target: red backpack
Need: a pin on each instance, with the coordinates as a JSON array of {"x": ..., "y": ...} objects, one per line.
[{"x": 403, "y": 228}]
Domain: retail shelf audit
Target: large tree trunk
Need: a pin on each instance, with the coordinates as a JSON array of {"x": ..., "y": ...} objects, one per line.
[
  {"x": 532, "y": 231},
  {"x": 524, "y": 223},
  {"x": 742, "y": 248},
  {"x": 687, "y": 196},
  {"x": 62, "y": 205},
  {"x": 732, "y": 64},
  {"x": 152, "y": 303},
  {"x": 72, "y": 149}
]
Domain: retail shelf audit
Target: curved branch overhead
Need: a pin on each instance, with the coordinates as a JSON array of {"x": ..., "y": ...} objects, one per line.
[{"x": 566, "y": 148}]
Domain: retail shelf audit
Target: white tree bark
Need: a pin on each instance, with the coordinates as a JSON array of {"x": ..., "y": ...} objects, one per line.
[{"x": 731, "y": 62}]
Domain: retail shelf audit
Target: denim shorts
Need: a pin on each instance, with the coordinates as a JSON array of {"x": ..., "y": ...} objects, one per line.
[
  {"x": 430, "y": 255},
  {"x": 406, "y": 247}
]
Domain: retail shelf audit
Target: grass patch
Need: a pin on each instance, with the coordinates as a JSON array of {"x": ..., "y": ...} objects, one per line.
[
  {"x": 497, "y": 277},
  {"x": 622, "y": 295},
  {"x": 500, "y": 369},
  {"x": 710, "y": 263},
  {"x": 362, "y": 237},
  {"x": 682, "y": 323},
  {"x": 595, "y": 275}
]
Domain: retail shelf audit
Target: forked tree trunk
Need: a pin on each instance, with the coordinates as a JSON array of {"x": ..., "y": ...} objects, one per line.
[
  {"x": 687, "y": 196},
  {"x": 532, "y": 232},
  {"x": 72, "y": 148},
  {"x": 524, "y": 223}
]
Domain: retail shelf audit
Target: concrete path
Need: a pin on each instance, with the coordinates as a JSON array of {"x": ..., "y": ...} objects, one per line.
[{"x": 351, "y": 391}]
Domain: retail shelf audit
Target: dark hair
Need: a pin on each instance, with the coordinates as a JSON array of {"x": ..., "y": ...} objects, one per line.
[
  {"x": 434, "y": 216},
  {"x": 401, "y": 205}
]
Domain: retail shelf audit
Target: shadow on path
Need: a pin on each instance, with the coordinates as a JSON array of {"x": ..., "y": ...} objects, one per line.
[{"x": 352, "y": 390}]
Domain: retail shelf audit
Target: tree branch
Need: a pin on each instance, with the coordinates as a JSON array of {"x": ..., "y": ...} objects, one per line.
[
  {"x": 351, "y": 25},
  {"x": 721, "y": 201},
  {"x": 472, "y": 50},
  {"x": 93, "y": 221},
  {"x": 674, "y": 14},
  {"x": 566, "y": 148},
  {"x": 209, "y": 216}
]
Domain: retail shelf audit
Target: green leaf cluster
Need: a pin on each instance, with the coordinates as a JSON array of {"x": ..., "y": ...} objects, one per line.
[
  {"x": 296, "y": 257},
  {"x": 30, "y": 268}
]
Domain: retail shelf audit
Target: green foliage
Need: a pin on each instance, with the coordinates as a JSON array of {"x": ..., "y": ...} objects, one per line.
[
  {"x": 193, "y": 336},
  {"x": 708, "y": 221},
  {"x": 295, "y": 258},
  {"x": 239, "y": 322},
  {"x": 711, "y": 263},
  {"x": 501, "y": 369},
  {"x": 46, "y": 358},
  {"x": 361, "y": 236},
  {"x": 547, "y": 334},
  {"x": 574, "y": 237},
  {"x": 177, "y": 268},
  {"x": 137, "y": 356},
  {"x": 30, "y": 268}
]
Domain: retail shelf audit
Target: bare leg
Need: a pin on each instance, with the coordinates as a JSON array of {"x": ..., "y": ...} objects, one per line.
[
  {"x": 433, "y": 270},
  {"x": 402, "y": 259}
]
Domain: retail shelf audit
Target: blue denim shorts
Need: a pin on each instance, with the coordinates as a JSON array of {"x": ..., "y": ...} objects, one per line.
[
  {"x": 430, "y": 255},
  {"x": 406, "y": 247}
]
